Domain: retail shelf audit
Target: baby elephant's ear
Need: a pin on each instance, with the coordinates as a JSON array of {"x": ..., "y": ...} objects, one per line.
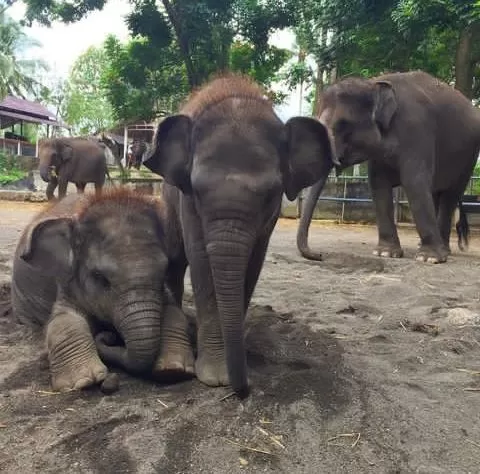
[
  {"x": 170, "y": 155},
  {"x": 48, "y": 246}
]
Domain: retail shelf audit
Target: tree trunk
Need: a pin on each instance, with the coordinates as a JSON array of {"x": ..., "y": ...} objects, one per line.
[
  {"x": 319, "y": 85},
  {"x": 463, "y": 63},
  {"x": 192, "y": 76}
]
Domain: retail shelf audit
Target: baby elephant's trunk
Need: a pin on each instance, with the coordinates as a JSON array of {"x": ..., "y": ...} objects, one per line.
[{"x": 140, "y": 327}]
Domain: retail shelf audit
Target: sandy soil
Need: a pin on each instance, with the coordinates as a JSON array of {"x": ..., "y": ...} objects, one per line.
[{"x": 358, "y": 365}]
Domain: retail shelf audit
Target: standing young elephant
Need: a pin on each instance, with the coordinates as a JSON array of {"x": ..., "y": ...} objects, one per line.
[
  {"x": 139, "y": 147},
  {"x": 98, "y": 263},
  {"x": 77, "y": 160},
  {"x": 227, "y": 159},
  {"x": 416, "y": 132}
]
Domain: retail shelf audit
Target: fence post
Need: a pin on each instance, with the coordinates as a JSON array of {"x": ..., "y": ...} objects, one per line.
[
  {"x": 344, "y": 196},
  {"x": 396, "y": 203}
]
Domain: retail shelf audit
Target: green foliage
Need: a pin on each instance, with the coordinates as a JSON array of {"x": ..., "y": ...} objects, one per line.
[
  {"x": 263, "y": 67},
  {"x": 86, "y": 107},
  {"x": 9, "y": 170},
  {"x": 17, "y": 75},
  {"x": 140, "y": 83},
  {"x": 194, "y": 37}
]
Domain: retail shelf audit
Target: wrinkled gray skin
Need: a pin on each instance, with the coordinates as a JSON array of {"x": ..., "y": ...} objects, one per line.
[
  {"x": 101, "y": 269},
  {"x": 227, "y": 159},
  {"x": 416, "y": 132},
  {"x": 77, "y": 160}
]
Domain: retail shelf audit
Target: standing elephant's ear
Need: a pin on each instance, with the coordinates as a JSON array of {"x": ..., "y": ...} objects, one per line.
[
  {"x": 309, "y": 154},
  {"x": 48, "y": 246},
  {"x": 385, "y": 104},
  {"x": 170, "y": 155}
]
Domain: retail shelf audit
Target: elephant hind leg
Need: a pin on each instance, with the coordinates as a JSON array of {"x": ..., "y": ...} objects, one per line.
[
  {"x": 74, "y": 361},
  {"x": 175, "y": 359},
  {"x": 80, "y": 187}
]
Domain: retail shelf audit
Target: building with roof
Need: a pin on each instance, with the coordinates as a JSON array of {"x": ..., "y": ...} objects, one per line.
[{"x": 13, "y": 111}]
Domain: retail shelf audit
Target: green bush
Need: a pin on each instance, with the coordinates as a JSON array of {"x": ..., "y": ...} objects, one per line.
[{"x": 9, "y": 170}]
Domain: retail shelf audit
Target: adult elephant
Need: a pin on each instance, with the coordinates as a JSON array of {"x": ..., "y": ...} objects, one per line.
[
  {"x": 415, "y": 131},
  {"x": 227, "y": 159},
  {"x": 71, "y": 159}
]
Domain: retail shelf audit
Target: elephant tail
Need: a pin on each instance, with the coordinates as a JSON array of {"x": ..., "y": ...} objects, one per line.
[
  {"x": 462, "y": 227},
  {"x": 306, "y": 219}
]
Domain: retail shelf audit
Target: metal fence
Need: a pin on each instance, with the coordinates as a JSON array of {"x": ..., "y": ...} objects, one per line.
[{"x": 344, "y": 196}]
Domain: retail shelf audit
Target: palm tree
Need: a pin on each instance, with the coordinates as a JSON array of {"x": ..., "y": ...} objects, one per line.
[{"x": 17, "y": 75}]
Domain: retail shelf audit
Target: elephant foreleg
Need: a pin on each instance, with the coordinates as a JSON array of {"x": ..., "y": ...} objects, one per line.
[
  {"x": 255, "y": 266},
  {"x": 80, "y": 187},
  {"x": 211, "y": 365},
  {"x": 382, "y": 194},
  {"x": 175, "y": 358},
  {"x": 98, "y": 188},
  {"x": 74, "y": 361},
  {"x": 52, "y": 185}
]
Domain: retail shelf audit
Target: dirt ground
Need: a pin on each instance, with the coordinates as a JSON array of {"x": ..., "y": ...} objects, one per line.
[{"x": 358, "y": 365}]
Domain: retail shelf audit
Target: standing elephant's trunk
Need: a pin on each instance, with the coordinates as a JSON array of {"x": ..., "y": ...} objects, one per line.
[
  {"x": 139, "y": 323},
  {"x": 229, "y": 251},
  {"x": 45, "y": 172},
  {"x": 306, "y": 219}
]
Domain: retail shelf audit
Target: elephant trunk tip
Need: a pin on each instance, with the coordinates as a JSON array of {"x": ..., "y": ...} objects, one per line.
[
  {"x": 239, "y": 382},
  {"x": 306, "y": 252}
]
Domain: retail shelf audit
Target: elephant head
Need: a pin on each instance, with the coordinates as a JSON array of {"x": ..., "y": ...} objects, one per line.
[
  {"x": 358, "y": 113},
  {"x": 109, "y": 261},
  {"x": 53, "y": 154},
  {"x": 233, "y": 164}
]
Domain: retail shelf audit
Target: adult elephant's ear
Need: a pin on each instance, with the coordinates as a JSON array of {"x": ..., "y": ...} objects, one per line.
[
  {"x": 309, "y": 154},
  {"x": 170, "y": 155},
  {"x": 48, "y": 246},
  {"x": 385, "y": 104},
  {"x": 64, "y": 149}
]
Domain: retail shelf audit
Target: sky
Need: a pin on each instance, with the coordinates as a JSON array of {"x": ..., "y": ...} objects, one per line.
[{"x": 62, "y": 44}]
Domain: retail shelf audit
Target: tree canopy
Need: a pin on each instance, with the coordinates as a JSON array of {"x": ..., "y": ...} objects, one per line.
[
  {"x": 17, "y": 75},
  {"x": 176, "y": 45}
]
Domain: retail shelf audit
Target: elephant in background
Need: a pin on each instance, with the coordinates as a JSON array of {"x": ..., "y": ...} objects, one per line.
[
  {"x": 227, "y": 159},
  {"x": 92, "y": 266},
  {"x": 71, "y": 159},
  {"x": 415, "y": 131},
  {"x": 139, "y": 147}
]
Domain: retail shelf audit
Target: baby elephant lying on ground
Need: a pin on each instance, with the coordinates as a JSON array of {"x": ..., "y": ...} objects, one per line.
[{"x": 92, "y": 264}]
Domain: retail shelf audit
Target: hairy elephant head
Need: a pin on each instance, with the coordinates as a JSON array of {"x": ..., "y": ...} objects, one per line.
[
  {"x": 357, "y": 113},
  {"x": 109, "y": 258},
  {"x": 234, "y": 167},
  {"x": 53, "y": 153}
]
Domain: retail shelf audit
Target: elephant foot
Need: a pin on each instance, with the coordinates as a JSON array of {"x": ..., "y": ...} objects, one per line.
[
  {"x": 175, "y": 363},
  {"x": 212, "y": 371},
  {"x": 431, "y": 254},
  {"x": 79, "y": 374},
  {"x": 388, "y": 251}
]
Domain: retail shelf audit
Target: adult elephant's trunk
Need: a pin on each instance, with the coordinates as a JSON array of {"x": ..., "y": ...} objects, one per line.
[
  {"x": 306, "y": 219},
  {"x": 45, "y": 172},
  {"x": 229, "y": 251},
  {"x": 138, "y": 320}
]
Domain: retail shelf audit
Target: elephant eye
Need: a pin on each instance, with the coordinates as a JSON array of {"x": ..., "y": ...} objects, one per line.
[
  {"x": 343, "y": 127},
  {"x": 100, "y": 279}
]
